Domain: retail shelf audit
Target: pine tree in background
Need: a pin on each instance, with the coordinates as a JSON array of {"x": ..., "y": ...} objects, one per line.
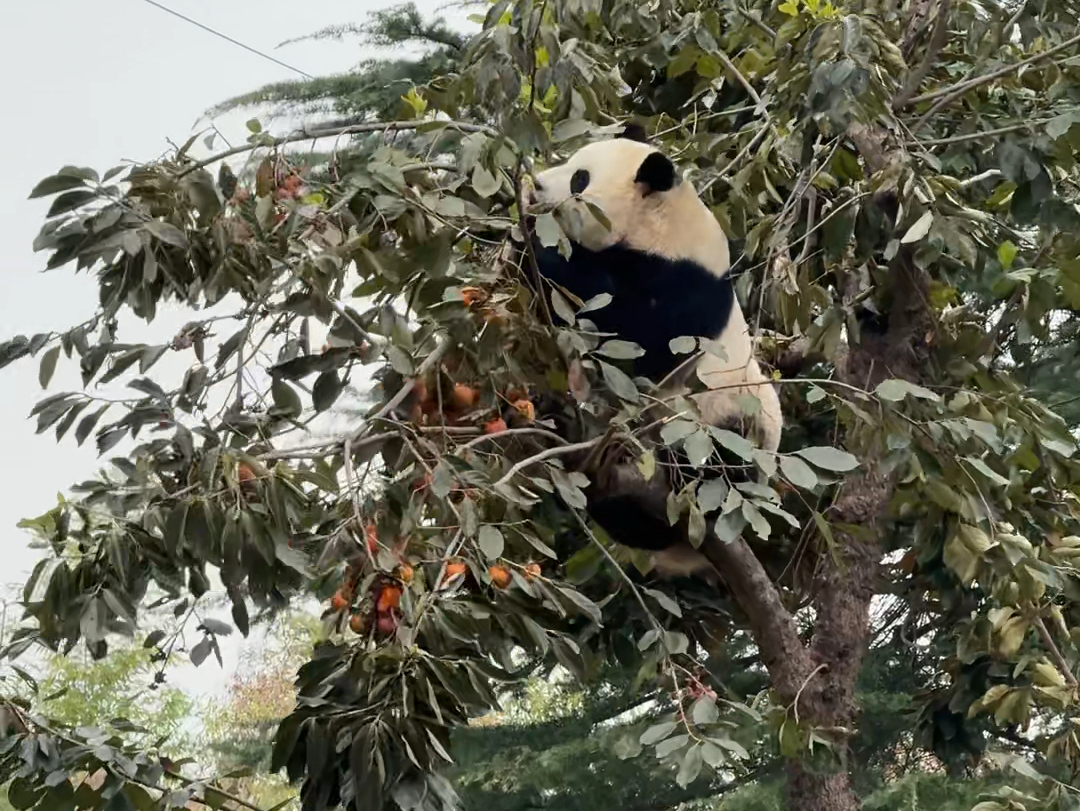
[{"x": 374, "y": 90}]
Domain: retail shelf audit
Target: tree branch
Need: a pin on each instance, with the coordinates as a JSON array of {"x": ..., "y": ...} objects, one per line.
[
  {"x": 937, "y": 42},
  {"x": 546, "y": 454},
  {"x": 947, "y": 94},
  {"x": 772, "y": 625},
  {"x": 333, "y": 132},
  {"x": 1055, "y": 652}
]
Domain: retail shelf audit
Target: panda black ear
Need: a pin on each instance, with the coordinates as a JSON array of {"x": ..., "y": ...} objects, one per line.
[
  {"x": 634, "y": 132},
  {"x": 656, "y": 173}
]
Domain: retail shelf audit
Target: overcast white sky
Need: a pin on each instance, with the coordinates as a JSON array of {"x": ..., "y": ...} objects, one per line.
[{"x": 91, "y": 84}]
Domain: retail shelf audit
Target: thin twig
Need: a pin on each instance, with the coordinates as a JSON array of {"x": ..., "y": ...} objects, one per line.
[
  {"x": 994, "y": 74},
  {"x": 334, "y": 132},
  {"x": 738, "y": 75},
  {"x": 947, "y": 94},
  {"x": 1055, "y": 652},
  {"x": 742, "y": 154},
  {"x": 806, "y": 681},
  {"x": 1007, "y": 28},
  {"x": 429, "y": 363},
  {"x": 350, "y": 478},
  {"x": 603, "y": 549},
  {"x": 754, "y": 21},
  {"x": 511, "y": 432},
  {"x": 975, "y": 136},
  {"x": 546, "y": 454}
]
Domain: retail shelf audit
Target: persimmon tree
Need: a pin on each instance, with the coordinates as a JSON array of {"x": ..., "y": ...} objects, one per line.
[{"x": 902, "y": 183}]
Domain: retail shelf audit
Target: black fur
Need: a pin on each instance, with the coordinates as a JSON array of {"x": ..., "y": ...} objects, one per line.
[
  {"x": 634, "y": 132},
  {"x": 656, "y": 173},
  {"x": 654, "y": 298}
]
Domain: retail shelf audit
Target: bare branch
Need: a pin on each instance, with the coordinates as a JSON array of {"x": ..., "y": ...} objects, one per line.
[
  {"x": 946, "y": 95},
  {"x": 334, "y": 132},
  {"x": 546, "y": 454}
]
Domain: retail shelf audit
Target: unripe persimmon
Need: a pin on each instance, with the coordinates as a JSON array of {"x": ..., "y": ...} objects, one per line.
[
  {"x": 358, "y": 623},
  {"x": 405, "y": 573}
]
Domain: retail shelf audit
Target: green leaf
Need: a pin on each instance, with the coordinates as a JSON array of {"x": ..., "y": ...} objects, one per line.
[
  {"x": 48, "y": 366},
  {"x": 597, "y": 302},
  {"x": 562, "y": 307},
  {"x": 167, "y": 233},
  {"x": 677, "y": 430},
  {"x": 442, "y": 480},
  {"x": 1059, "y": 125},
  {"x": 699, "y": 447},
  {"x": 756, "y": 520},
  {"x": 285, "y": 398},
  {"x": 491, "y": 542},
  {"x": 71, "y": 200},
  {"x": 484, "y": 182},
  {"x": 326, "y": 390},
  {"x": 620, "y": 350},
  {"x": 586, "y": 605},
  {"x": 691, "y": 766},
  {"x": 67, "y": 178},
  {"x": 798, "y": 472},
  {"x": 987, "y": 471},
  {"x": 1006, "y": 253},
  {"x": 87, "y": 423},
  {"x": 738, "y": 445},
  {"x": 919, "y": 229},
  {"x": 666, "y": 602},
  {"x": 547, "y": 230},
  {"x": 895, "y": 390},
  {"x": 200, "y": 651},
  {"x": 620, "y": 383},
  {"x": 704, "y": 711},
  {"x": 829, "y": 458},
  {"x": 657, "y": 733},
  {"x": 711, "y": 495},
  {"x": 682, "y": 345},
  {"x": 671, "y": 745}
]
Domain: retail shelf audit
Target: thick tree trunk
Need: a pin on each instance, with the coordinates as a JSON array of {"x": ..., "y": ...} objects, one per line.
[
  {"x": 820, "y": 677},
  {"x": 807, "y": 791}
]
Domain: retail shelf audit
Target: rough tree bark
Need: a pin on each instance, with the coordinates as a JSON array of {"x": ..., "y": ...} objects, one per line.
[{"x": 821, "y": 675}]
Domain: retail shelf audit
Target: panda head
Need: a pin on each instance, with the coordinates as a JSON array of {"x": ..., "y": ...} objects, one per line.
[{"x": 648, "y": 204}]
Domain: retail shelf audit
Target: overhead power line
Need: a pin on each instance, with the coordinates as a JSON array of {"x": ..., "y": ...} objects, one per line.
[{"x": 229, "y": 39}]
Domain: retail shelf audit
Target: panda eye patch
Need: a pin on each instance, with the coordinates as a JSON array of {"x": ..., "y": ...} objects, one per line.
[{"x": 579, "y": 181}]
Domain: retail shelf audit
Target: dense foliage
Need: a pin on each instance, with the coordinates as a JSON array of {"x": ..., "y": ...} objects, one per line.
[{"x": 903, "y": 184}]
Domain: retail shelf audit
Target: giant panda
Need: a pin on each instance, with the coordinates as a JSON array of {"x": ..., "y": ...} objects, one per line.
[{"x": 664, "y": 259}]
